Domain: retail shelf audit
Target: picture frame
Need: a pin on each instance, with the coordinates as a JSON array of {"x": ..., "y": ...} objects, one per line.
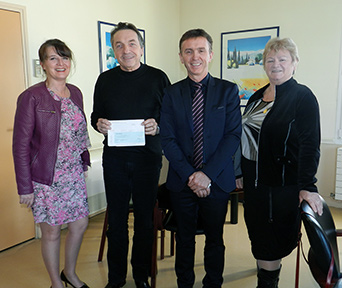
[
  {"x": 106, "y": 53},
  {"x": 241, "y": 59}
]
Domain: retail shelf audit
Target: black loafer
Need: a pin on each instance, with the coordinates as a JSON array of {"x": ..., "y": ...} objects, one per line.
[
  {"x": 142, "y": 284},
  {"x": 109, "y": 285}
]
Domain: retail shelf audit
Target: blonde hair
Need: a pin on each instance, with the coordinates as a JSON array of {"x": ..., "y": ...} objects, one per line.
[{"x": 277, "y": 44}]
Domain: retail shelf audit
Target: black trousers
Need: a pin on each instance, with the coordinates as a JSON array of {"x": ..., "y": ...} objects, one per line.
[
  {"x": 212, "y": 210},
  {"x": 135, "y": 178}
]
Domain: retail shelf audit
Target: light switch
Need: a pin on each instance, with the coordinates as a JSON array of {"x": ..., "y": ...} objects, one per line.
[{"x": 38, "y": 71}]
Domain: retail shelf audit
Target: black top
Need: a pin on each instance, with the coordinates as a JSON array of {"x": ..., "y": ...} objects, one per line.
[
  {"x": 289, "y": 138},
  {"x": 121, "y": 95}
]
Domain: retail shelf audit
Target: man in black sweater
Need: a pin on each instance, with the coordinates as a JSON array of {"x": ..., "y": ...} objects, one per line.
[{"x": 130, "y": 91}]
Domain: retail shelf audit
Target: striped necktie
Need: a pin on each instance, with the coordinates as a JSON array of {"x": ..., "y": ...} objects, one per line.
[{"x": 197, "y": 118}]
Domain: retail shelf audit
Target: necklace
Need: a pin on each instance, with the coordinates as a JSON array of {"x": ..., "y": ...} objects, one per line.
[{"x": 64, "y": 92}]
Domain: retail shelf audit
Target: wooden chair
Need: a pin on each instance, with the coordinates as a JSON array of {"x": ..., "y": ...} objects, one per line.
[{"x": 103, "y": 237}]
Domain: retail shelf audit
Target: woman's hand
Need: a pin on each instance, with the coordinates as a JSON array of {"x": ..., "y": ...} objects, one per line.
[
  {"x": 27, "y": 199},
  {"x": 313, "y": 199}
]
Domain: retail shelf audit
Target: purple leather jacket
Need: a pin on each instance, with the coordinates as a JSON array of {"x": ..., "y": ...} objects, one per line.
[{"x": 36, "y": 136}]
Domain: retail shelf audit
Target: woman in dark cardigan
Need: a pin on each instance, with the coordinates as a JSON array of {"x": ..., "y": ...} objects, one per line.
[{"x": 280, "y": 154}]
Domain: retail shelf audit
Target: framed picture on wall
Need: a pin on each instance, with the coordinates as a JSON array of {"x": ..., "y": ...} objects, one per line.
[
  {"x": 241, "y": 59},
  {"x": 106, "y": 53}
]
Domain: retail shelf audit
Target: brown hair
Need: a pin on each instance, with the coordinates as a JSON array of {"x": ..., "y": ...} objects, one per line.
[
  {"x": 194, "y": 33},
  {"x": 61, "y": 49}
]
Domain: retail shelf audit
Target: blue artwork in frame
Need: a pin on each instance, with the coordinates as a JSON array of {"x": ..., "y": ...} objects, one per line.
[
  {"x": 106, "y": 53},
  {"x": 241, "y": 59}
]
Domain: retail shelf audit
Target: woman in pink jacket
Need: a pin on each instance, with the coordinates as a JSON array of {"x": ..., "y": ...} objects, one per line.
[{"x": 50, "y": 150}]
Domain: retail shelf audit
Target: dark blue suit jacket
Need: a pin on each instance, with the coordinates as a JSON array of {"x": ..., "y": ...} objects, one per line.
[{"x": 222, "y": 131}]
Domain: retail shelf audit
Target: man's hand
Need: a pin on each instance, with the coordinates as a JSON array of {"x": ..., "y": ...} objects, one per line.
[
  {"x": 151, "y": 127},
  {"x": 103, "y": 125},
  {"x": 239, "y": 183},
  {"x": 200, "y": 184}
]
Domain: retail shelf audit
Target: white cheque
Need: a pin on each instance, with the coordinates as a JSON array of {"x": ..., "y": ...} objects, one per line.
[{"x": 126, "y": 133}]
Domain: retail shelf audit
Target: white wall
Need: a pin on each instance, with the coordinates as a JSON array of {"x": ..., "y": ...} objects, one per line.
[{"x": 315, "y": 25}]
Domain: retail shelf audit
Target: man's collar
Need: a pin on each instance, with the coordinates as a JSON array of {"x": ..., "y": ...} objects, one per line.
[{"x": 204, "y": 81}]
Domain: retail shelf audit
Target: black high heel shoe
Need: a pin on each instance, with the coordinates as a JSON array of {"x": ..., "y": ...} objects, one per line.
[{"x": 66, "y": 281}]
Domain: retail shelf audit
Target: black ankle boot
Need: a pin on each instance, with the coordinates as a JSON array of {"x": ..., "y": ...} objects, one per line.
[{"x": 268, "y": 279}]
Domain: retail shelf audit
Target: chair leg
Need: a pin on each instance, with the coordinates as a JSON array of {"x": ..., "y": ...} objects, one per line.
[
  {"x": 298, "y": 262},
  {"x": 234, "y": 205},
  {"x": 154, "y": 247},
  {"x": 162, "y": 244},
  {"x": 172, "y": 245},
  {"x": 103, "y": 237}
]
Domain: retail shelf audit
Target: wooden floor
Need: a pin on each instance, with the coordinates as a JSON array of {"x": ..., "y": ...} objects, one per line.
[{"x": 22, "y": 266}]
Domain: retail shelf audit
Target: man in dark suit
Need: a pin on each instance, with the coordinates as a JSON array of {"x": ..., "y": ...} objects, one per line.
[{"x": 200, "y": 185}]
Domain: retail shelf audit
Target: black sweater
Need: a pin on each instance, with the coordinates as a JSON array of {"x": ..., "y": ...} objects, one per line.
[{"x": 121, "y": 95}]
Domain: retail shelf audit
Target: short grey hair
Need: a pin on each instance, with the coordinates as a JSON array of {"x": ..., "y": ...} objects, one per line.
[
  {"x": 277, "y": 44},
  {"x": 127, "y": 26}
]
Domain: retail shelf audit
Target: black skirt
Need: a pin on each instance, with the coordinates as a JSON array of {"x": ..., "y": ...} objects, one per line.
[{"x": 272, "y": 216}]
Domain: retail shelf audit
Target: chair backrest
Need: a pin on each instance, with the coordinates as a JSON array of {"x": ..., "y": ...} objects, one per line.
[{"x": 321, "y": 233}]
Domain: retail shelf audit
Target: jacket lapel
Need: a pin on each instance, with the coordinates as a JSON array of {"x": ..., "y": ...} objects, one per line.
[
  {"x": 209, "y": 99},
  {"x": 187, "y": 101}
]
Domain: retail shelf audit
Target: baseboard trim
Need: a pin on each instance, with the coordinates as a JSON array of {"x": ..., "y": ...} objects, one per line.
[{"x": 97, "y": 204}]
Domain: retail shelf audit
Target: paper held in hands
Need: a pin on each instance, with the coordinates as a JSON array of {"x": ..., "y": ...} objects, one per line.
[{"x": 126, "y": 133}]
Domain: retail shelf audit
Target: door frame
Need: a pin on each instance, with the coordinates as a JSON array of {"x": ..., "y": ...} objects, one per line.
[
  {"x": 24, "y": 38},
  {"x": 23, "y": 21}
]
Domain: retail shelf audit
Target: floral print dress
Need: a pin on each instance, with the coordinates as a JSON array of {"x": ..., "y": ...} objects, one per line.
[{"x": 65, "y": 200}]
